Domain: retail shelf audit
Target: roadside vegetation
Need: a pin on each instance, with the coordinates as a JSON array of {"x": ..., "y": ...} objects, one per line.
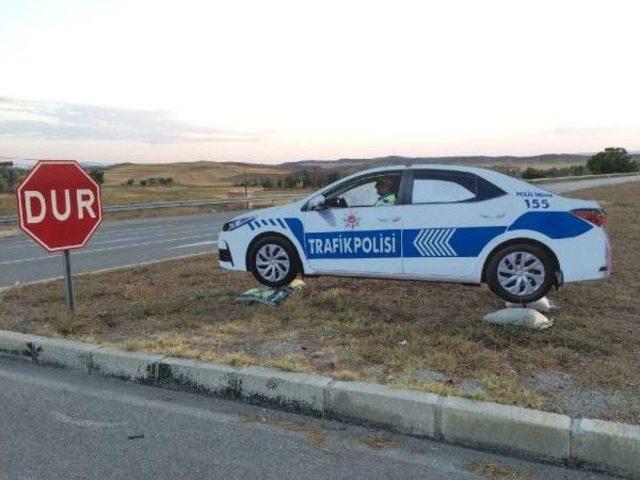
[
  {"x": 610, "y": 160},
  {"x": 141, "y": 183},
  {"x": 406, "y": 334}
]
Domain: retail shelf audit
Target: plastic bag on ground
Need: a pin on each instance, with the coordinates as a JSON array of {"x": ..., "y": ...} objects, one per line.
[
  {"x": 270, "y": 296},
  {"x": 519, "y": 317},
  {"x": 543, "y": 305}
]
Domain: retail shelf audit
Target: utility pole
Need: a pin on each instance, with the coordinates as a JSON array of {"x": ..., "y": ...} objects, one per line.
[{"x": 244, "y": 175}]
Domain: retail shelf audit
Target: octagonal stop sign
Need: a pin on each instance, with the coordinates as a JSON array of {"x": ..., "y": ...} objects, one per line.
[{"x": 59, "y": 205}]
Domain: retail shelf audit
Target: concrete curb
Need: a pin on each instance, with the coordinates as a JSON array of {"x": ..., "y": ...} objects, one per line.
[
  {"x": 597, "y": 444},
  {"x": 542, "y": 435}
]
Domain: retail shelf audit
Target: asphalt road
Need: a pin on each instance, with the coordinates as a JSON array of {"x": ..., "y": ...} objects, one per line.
[
  {"x": 61, "y": 424},
  {"x": 129, "y": 242}
]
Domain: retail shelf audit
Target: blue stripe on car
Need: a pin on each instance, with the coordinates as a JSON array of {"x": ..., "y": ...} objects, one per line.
[
  {"x": 554, "y": 225},
  {"x": 428, "y": 242}
]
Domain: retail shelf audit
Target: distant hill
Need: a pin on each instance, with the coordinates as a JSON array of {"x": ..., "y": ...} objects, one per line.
[
  {"x": 538, "y": 161},
  {"x": 191, "y": 173},
  {"x": 226, "y": 174}
]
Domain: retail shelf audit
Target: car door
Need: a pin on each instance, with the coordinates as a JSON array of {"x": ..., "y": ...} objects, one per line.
[
  {"x": 353, "y": 233},
  {"x": 449, "y": 218}
]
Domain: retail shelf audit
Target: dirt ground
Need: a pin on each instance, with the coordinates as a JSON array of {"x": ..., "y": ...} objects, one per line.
[{"x": 410, "y": 334}]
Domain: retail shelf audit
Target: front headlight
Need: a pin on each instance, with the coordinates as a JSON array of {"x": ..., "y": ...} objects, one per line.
[{"x": 237, "y": 223}]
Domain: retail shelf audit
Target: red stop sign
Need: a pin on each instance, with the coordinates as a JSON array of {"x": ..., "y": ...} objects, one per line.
[{"x": 59, "y": 205}]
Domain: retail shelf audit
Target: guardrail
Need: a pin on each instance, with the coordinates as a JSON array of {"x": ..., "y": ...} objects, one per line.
[
  {"x": 247, "y": 201},
  {"x": 273, "y": 198},
  {"x": 580, "y": 177}
]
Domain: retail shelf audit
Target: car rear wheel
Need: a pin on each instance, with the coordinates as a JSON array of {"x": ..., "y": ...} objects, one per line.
[
  {"x": 521, "y": 273},
  {"x": 273, "y": 261}
]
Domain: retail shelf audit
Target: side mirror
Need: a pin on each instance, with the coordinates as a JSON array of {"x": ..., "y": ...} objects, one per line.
[{"x": 316, "y": 203}]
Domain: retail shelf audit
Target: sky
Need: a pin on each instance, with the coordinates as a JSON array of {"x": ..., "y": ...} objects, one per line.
[{"x": 273, "y": 81}]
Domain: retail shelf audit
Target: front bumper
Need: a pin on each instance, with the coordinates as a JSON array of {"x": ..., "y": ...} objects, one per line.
[
  {"x": 224, "y": 256},
  {"x": 232, "y": 250}
]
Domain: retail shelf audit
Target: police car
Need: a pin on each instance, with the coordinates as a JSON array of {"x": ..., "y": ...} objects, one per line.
[{"x": 426, "y": 222}]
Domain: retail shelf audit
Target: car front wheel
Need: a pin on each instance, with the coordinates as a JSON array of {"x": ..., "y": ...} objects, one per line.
[
  {"x": 521, "y": 273},
  {"x": 273, "y": 261}
]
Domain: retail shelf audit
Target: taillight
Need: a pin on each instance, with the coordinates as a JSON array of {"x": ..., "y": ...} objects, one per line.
[{"x": 591, "y": 215}]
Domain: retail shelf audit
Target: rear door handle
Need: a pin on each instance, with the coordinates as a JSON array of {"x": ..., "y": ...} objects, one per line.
[
  {"x": 389, "y": 219},
  {"x": 498, "y": 215}
]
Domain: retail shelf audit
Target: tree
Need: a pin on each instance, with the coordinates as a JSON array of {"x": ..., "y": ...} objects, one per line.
[
  {"x": 290, "y": 182},
  {"x": 98, "y": 176},
  {"x": 9, "y": 179},
  {"x": 612, "y": 160},
  {"x": 306, "y": 178},
  {"x": 530, "y": 173}
]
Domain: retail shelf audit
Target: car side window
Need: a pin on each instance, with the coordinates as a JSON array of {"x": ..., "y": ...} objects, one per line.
[
  {"x": 373, "y": 190},
  {"x": 427, "y": 190},
  {"x": 450, "y": 186}
]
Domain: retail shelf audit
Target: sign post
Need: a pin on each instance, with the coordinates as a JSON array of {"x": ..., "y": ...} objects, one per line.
[
  {"x": 59, "y": 207},
  {"x": 68, "y": 280}
]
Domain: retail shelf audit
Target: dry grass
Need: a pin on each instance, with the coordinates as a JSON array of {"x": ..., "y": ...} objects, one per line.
[
  {"x": 119, "y": 195},
  {"x": 190, "y": 173},
  {"x": 354, "y": 329},
  {"x": 7, "y": 204},
  {"x": 192, "y": 181}
]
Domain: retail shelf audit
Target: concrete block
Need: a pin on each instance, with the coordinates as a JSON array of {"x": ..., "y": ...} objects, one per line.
[
  {"x": 612, "y": 447},
  {"x": 405, "y": 411},
  {"x": 132, "y": 366},
  {"x": 183, "y": 374},
  {"x": 64, "y": 353},
  {"x": 290, "y": 391},
  {"x": 506, "y": 428},
  {"x": 17, "y": 344}
]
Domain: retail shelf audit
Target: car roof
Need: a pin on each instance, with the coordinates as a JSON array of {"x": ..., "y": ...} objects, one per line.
[
  {"x": 426, "y": 166},
  {"x": 505, "y": 182}
]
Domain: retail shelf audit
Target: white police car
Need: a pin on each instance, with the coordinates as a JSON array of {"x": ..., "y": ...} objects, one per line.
[{"x": 426, "y": 222}]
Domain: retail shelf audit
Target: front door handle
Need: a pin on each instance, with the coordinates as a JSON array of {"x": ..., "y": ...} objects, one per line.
[
  {"x": 389, "y": 219},
  {"x": 497, "y": 215}
]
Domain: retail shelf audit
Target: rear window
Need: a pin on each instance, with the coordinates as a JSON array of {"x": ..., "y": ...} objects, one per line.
[
  {"x": 428, "y": 190},
  {"x": 448, "y": 186}
]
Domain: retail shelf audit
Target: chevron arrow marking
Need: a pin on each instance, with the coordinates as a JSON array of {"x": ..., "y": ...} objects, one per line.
[{"x": 434, "y": 242}]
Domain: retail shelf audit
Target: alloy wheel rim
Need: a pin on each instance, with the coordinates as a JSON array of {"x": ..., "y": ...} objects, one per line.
[
  {"x": 272, "y": 262},
  {"x": 521, "y": 273}
]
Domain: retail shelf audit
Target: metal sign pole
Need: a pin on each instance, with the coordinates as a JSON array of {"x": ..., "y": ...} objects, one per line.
[{"x": 68, "y": 279}]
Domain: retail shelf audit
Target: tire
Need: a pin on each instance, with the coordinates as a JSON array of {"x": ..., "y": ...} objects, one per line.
[
  {"x": 521, "y": 273},
  {"x": 273, "y": 261}
]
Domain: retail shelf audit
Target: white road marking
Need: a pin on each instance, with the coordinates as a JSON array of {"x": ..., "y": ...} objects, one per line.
[
  {"x": 108, "y": 236},
  {"x": 61, "y": 417},
  {"x": 123, "y": 398},
  {"x": 197, "y": 244}
]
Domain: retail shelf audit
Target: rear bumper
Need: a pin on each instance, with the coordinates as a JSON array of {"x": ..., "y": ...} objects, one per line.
[{"x": 587, "y": 257}]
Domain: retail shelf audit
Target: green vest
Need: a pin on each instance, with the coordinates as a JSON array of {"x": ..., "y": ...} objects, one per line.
[{"x": 390, "y": 199}]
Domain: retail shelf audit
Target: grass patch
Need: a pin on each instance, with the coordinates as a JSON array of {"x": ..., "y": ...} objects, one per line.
[{"x": 393, "y": 332}]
